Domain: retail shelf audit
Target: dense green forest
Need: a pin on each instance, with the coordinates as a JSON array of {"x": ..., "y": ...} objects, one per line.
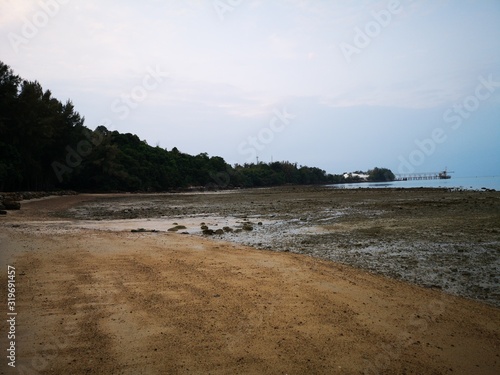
[{"x": 44, "y": 145}]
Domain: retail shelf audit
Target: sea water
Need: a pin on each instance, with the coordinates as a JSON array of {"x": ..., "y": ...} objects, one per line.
[{"x": 468, "y": 183}]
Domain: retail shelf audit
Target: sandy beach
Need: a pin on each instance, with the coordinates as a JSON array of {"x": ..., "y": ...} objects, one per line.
[{"x": 94, "y": 298}]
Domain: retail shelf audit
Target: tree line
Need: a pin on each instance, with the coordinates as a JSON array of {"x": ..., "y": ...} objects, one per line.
[{"x": 44, "y": 145}]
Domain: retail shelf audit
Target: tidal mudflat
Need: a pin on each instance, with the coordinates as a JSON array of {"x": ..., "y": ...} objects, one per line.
[
  {"x": 437, "y": 238},
  {"x": 107, "y": 284}
]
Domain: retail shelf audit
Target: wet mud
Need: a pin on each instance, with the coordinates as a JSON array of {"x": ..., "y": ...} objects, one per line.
[{"x": 437, "y": 238}]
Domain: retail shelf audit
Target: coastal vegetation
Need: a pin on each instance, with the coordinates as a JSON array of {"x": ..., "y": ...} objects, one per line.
[{"x": 44, "y": 145}]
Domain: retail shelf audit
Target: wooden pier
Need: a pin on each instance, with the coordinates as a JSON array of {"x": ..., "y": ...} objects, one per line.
[{"x": 443, "y": 175}]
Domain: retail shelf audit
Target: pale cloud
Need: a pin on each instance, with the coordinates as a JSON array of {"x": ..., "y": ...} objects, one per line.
[
  {"x": 222, "y": 97},
  {"x": 13, "y": 12},
  {"x": 281, "y": 47}
]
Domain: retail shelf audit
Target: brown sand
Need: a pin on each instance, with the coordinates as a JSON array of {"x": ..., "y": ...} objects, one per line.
[{"x": 97, "y": 302}]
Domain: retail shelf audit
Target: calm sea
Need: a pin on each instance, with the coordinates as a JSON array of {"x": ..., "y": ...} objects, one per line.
[{"x": 469, "y": 183}]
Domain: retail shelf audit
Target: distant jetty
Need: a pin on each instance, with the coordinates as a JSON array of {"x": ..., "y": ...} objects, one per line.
[{"x": 443, "y": 175}]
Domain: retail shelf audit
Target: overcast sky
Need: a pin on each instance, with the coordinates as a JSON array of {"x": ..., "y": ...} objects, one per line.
[{"x": 341, "y": 85}]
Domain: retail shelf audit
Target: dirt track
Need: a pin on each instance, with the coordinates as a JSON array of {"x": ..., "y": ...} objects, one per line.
[{"x": 160, "y": 303}]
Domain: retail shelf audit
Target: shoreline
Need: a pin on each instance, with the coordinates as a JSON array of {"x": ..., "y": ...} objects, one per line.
[
  {"x": 122, "y": 302},
  {"x": 431, "y": 237}
]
